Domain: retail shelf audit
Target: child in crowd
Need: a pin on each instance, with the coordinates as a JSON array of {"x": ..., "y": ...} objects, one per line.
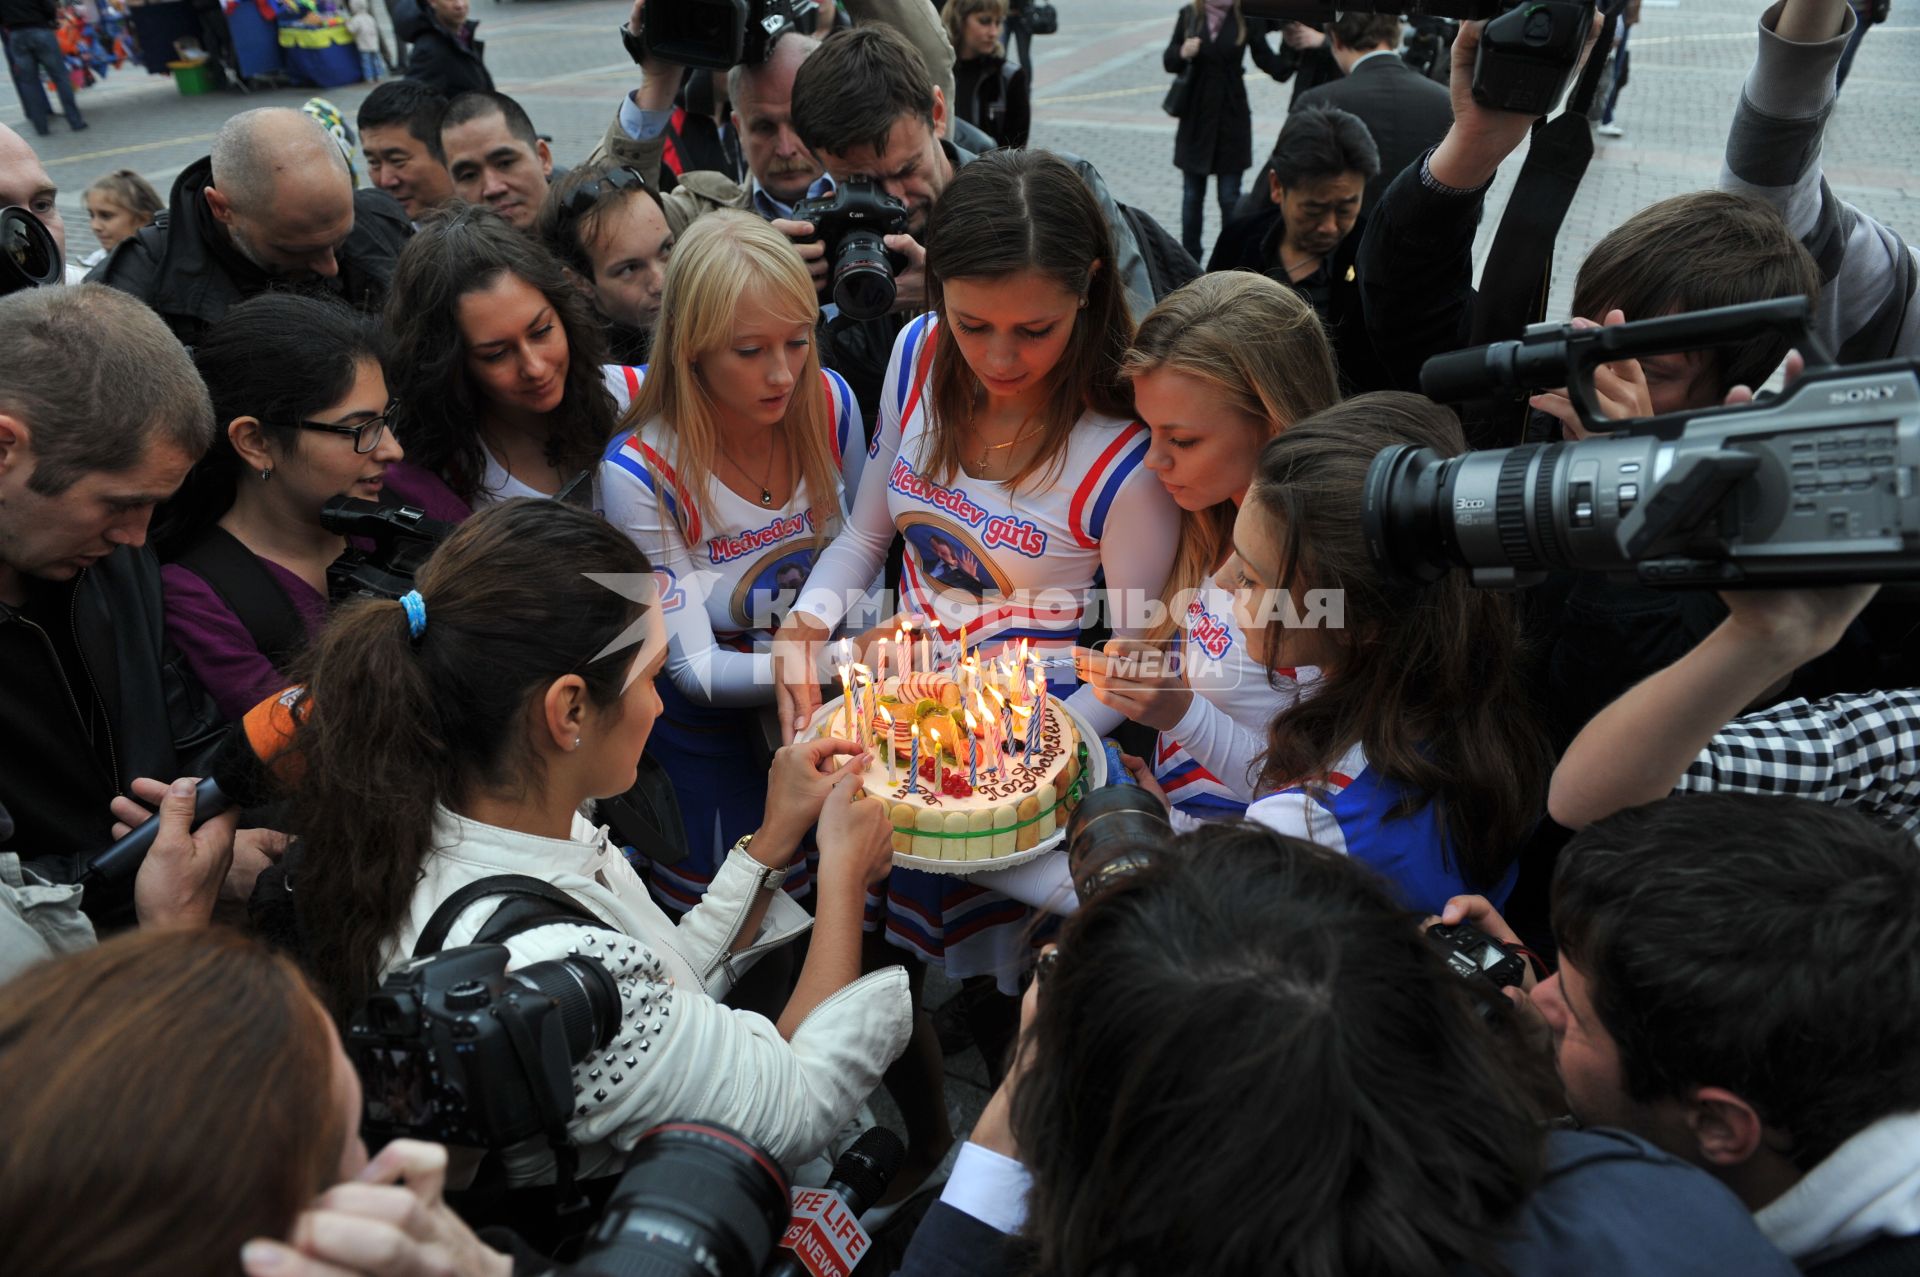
[{"x": 118, "y": 205}]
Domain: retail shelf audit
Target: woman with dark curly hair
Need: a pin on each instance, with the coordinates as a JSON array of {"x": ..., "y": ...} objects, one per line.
[{"x": 500, "y": 391}]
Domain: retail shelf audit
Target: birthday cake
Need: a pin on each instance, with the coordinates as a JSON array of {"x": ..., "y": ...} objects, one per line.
[{"x": 973, "y": 764}]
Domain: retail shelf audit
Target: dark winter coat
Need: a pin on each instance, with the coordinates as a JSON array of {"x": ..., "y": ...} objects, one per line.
[
  {"x": 451, "y": 64},
  {"x": 181, "y": 264},
  {"x": 1216, "y": 132}
]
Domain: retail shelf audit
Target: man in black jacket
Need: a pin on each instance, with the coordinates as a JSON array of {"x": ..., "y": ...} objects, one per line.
[
  {"x": 101, "y": 415},
  {"x": 1405, "y": 111},
  {"x": 34, "y": 43},
  {"x": 1308, "y": 231},
  {"x": 271, "y": 207}
]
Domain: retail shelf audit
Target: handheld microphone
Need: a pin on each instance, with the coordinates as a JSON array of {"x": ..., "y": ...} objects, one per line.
[
  {"x": 244, "y": 772},
  {"x": 825, "y": 1237}
]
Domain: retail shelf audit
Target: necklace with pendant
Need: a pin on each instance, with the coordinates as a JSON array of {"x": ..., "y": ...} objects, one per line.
[{"x": 766, "y": 493}]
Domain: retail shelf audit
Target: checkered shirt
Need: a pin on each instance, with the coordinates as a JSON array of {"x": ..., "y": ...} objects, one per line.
[{"x": 1854, "y": 751}]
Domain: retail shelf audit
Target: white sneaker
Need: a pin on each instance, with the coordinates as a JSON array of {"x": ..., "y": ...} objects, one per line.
[{"x": 1611, "y": 130}]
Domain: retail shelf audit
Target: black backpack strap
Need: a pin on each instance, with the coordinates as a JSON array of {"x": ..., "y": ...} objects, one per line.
[
  {"x": 245, "y": 585},
  {"x": 532, "y": 903}
]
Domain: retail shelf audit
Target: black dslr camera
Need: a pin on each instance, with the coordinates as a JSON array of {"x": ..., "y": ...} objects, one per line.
[
  {"x": 853, "y": 222},
  {"x": 455, "y": 1048},
  {"x": 695, "y": 1199},
  {"x": 28, "y": 256},
  {"x": 1816, "y": 486},
  {"x": 1527, "y": 52},
  {"x": 403, "y": 537},
  {"x": 721, "y": 34},
  {"x": 1473, "y": 954}
]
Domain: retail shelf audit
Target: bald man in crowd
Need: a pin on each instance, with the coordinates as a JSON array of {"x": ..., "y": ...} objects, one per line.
[
  {"x": 24, "y": 182},
  {"x": 271, "y": 207}
]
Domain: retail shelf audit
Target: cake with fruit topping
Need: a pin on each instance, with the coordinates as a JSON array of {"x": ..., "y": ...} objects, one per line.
[{"x": 979, "y": 792}]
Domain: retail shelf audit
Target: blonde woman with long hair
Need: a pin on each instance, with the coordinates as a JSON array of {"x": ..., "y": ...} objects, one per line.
[
  {"x": 1219, "y": 368},
  {"x": 732, "y": 472}
]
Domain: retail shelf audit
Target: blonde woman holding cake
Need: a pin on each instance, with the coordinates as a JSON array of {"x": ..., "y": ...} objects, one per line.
[
  {"x": 732, "y": 473},
  {"x": 1008, "y": 458}
]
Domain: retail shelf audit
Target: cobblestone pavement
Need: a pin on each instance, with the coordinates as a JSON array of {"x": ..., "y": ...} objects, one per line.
[{"x": 1099, "y": 84}]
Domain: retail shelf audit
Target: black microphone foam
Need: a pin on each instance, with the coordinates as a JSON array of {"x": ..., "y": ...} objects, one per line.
[{"x": 865, "y": 1169}]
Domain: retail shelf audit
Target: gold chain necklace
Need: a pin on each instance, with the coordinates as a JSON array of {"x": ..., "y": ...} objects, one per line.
[{"x": 988, "y": 449}]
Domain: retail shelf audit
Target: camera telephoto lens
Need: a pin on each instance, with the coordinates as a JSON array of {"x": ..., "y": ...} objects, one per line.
[
  {"x": 862, "y": 277},
  {"x": 696, "y": 1201},
  {"x": 1116, "y": 830},
  {"x": 1402, "y": 516},
  {"x": 28, "y": 256}
]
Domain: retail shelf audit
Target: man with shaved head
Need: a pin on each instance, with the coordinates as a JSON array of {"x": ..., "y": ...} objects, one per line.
[
  {"x": 24, "y": 182},
  {"x": 271, "y": 207}
]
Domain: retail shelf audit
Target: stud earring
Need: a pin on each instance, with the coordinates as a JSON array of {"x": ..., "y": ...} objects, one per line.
[
  {"x": 266, "y": 472},
  {"x": 576, "y": 743}
]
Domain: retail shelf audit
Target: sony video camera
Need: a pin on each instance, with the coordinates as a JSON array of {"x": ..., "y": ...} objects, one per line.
[
  {"x": 721, "y": 34},
  {"x": 457, "y": 1049},
  {"x": 1527, "y": 53},
  {"x": 1815, "y": 486},
  {"x": 852, "y": 222},
  {"x": 402, "y": 535},
  {"x": 28, "y": 256}
]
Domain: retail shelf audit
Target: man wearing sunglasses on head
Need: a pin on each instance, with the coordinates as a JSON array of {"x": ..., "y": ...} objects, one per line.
[{"x": 607, "y": 226}]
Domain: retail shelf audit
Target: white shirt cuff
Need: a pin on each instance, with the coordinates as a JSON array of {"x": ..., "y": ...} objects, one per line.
[
  {"x": 642, "y": 126},
  {"x": 990, "y": 1187}
]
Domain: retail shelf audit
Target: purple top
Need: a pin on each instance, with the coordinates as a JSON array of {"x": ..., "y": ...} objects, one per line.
[
  {"x": 427, "y": 491},
  {"x": 222, "y": 655},
  {"x": 217, "y": 646}
]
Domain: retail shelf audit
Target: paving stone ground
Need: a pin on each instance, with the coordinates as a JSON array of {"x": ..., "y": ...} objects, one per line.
[{"x": 1098, "y": 89}]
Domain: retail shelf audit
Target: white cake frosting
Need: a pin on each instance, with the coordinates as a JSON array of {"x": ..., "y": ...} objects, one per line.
[{"x": 1011, "y": 808}]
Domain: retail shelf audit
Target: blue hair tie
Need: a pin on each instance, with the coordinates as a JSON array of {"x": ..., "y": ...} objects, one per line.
[{"x": 416, "y": 612}]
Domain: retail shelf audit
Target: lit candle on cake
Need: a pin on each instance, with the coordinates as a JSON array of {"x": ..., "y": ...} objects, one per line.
[
  {"x": 886, "y": 746},
  {"x": 864, "y": 697},
  {"x": 913, "y": 763},
  {"x": 902, "y": 638},
  {"x": 990, "y": 731},
  {"x": 1039, "y": 723},
  {"x": 973, "y": 751},
  {"x": 933, "y": 739},
  {"x": 1023, "y": 728},
  {"x": 847, "y": 706},
  {"x": 1006, "y": 715}
]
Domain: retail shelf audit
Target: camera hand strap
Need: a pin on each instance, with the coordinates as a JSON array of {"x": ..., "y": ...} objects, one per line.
[{"x": 1513, "y": 287}]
